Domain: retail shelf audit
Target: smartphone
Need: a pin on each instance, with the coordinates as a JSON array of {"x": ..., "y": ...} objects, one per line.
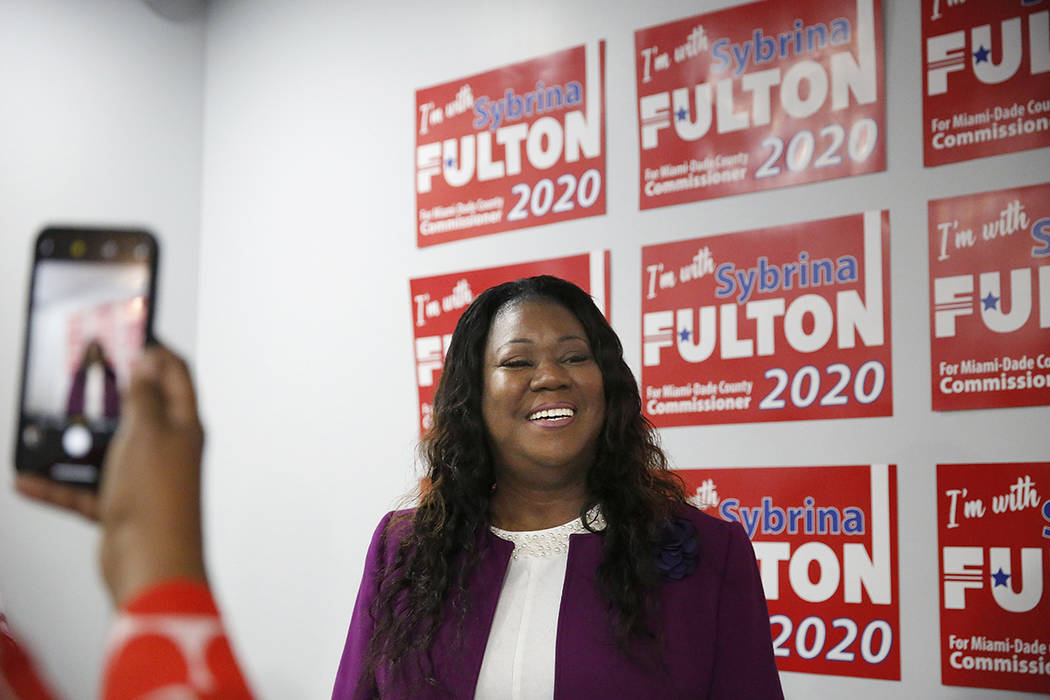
[{"x": 91, "y": 298}]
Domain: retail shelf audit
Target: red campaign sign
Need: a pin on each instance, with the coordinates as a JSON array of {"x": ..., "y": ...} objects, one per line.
[
  {"x": 518, "y": 146},
  {"x": 759, "y": 96},
  {"x": 826, "y": 543},
  {"x": 993, "y": 530},
  {"x": 986, "y": 82},
  {"x": 990, "y": 299},
  {"x": 784, "y": 323},
  {"x": 438, "y": 302}
]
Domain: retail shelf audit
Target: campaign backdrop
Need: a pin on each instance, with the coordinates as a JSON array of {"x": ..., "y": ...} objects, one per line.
[
  {"x": 517, "y": 146},
  {"x": 783, "y": 323},
  {"x": 986, "y": 83},
  {"x": 759, "y": 96},
  {"x": 993, "y": 529},
  {"x": 990, "y": 299},
  {"x": 438, "y": 302},
  {"x": 119, "y": 326},
  {"x": 826, "y": 543}
]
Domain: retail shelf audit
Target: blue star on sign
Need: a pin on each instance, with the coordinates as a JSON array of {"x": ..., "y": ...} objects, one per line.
[
  {"x": 681, "y": 114},
  {"x": 450, "y": 163},
  {"x": 1000, "y": 577},
  {"x": 981, "y": 55},
  {"x": 990, "y": 302},
  {"x": 684, "y": 335}
]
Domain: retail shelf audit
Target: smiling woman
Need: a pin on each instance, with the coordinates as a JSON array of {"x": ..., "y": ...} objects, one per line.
[
  {"x": 554, "y": 555},
  {"x": 543, "y": 404}
]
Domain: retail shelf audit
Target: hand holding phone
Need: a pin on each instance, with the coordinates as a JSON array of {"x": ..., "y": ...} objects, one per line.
[
  {"x": 91, "y": 301},
  {"x": 149, "y": 502}
]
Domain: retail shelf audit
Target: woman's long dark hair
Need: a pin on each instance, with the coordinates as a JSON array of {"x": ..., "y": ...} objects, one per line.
[{"x": 629, "y": 481}]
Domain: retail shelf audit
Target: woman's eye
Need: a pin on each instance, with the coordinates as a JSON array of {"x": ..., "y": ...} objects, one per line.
[
  {"x": 514, "y": 363},
  {"x": 577, "y": 359}
]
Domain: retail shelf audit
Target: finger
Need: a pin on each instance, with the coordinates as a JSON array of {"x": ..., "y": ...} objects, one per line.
[
  {"x": 177, "y": 387},
  {"x": 43, "y": 490},
  {"x": 143, "y": 399}
]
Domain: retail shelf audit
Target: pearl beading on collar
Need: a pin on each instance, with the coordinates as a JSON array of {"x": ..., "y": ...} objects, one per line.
[{"x": 552, "y": 541}]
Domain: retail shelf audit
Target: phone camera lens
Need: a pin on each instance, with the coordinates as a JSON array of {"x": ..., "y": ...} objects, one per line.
[
  {"x": 77, "y": 248},
  {"x": 47, "y": 246},
  {"x": 142, "y": 251},
  {"x": 109, "y": 249}
]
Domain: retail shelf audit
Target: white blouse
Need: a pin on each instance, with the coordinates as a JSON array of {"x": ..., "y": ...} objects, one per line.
[
  {"x": 519, "y": 657},
  {"x": 95, "y": 392}
]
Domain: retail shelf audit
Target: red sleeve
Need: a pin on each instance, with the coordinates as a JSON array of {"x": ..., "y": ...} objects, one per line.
[
  {"x": 170, "y": 638},
  {"x": 18, "y": 676}
]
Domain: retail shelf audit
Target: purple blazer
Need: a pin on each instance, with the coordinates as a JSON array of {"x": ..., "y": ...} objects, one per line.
[
  {"x": 110, "y": 399},
  {"x": 714, "y": 622}
]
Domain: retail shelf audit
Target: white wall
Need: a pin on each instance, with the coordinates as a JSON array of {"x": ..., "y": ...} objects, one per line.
[
  {"x": 100, "y": 123},
  {"x": 304, "y": 352}
]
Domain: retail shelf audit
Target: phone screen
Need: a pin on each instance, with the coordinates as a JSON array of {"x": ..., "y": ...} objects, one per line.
[{"x": 90, "y": 315}]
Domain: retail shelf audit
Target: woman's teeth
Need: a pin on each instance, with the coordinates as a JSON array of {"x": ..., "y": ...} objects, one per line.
[{"x": 552, "y": 413}]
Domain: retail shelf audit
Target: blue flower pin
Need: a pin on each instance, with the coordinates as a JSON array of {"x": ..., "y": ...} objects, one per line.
[{"x": 678, "y": 549}]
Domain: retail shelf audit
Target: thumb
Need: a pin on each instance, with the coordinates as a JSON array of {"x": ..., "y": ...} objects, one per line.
[
  {"x": 144, "y": 400},
  {"x": 176, "y": 387}
]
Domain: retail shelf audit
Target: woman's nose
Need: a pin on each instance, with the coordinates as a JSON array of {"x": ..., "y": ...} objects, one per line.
[{"x": 549, "y": 375}]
